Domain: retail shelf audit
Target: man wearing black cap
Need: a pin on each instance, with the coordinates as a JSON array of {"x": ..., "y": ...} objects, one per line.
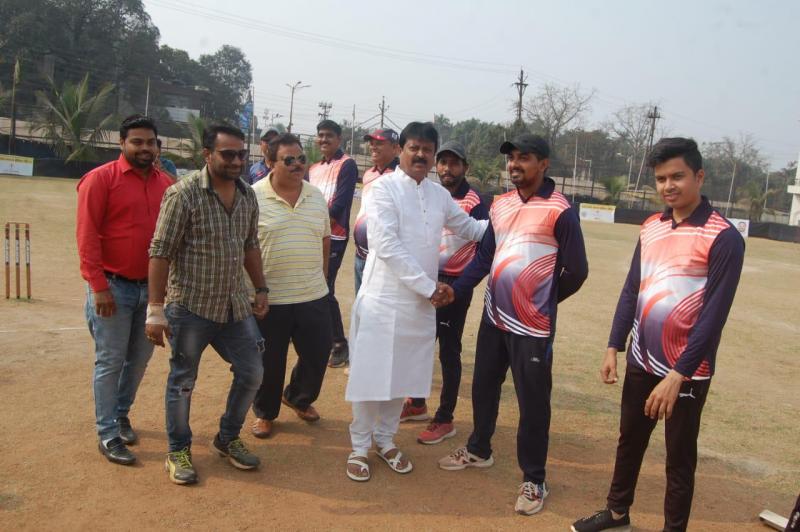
[
  {"x": 454, "y": 255},
  {"x": 260, "y": 169},
  {"x": 534, "y": 254},
  {"x": 384, "y": 147},
  {"x": 335, "y": 175}
]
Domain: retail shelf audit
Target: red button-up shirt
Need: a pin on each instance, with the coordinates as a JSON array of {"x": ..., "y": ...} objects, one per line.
[{"x": 117, "y": 213}]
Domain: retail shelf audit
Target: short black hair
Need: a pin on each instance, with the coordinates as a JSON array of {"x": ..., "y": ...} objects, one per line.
[
  {"x": 671, "y": 147},
  {"x": 283, "y": 139},
  {"x": 330, "y": 125},
  {"x": 136, "y": 122},
  {"x": 158, "y": 143},
  {"x": 420, "y": 131},
  {"x": 211, "y": 131}
]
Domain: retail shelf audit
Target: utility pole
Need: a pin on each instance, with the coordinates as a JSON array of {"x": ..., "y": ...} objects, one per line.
[
  {"x": 730, "y": 190},
  {"x": 575, "y": 167},
  {"x": 353, "y": 133},
  {"x": 653, "y": 115},
  {"x": 521, "y": 86},
  {"x": 296, "y": 86},
  {"x": 147, "y": 97},
  {"x": 13, "y": 137},
  {"x": 382, "y": 107},
  {"x": 325, "y": 109}
]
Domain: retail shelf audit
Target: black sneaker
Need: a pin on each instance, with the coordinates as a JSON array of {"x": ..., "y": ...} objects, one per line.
[
  {"x": 340, "y": 356},
  {"x": 179, "y": 466},
  {"x": 115, "y": 451},
  {"x": 236, "y": 452},
  {"x": 602, "y": 520},
  {"x": 126, "y": 432}
]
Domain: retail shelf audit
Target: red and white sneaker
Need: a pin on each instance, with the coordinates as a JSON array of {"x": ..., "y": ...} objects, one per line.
[
  {"x": 414, "y": 413},
  {"x": 436, "y": 433},
  {"x": 461, "y": 458}
]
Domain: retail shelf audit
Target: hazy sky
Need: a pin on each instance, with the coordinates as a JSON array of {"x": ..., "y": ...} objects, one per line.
[{"x": 715, "y": 67}]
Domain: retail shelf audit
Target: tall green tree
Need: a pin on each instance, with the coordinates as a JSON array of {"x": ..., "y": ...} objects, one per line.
[{"x": 72, "y": 119}]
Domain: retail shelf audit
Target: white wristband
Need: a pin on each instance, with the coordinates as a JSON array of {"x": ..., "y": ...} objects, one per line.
[{"x": 155, "y": 315}]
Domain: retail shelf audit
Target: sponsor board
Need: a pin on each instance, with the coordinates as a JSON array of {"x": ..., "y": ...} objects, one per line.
[
  {"x": 14, "y": 165},
  {"x": 597, "y": 213}
]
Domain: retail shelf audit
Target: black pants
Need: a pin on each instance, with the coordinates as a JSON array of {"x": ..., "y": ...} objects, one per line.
[
  {"x": 308, "y": 326},
  {"x": 681, "y": 431},
  {"x": 334, "y": 263},
  {"x": 449, "y": 330},
  {"x": 531, "y": 362},
  {"x": 794, "y": 518}
]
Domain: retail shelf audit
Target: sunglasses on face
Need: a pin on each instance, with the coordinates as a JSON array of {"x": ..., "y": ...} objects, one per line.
[
  {"x": 289, "y": 160},
  {"x": 230, "y": 155}
]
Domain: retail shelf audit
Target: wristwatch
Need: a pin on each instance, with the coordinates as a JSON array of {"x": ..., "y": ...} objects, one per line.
[{"x": 262, "y": 290}]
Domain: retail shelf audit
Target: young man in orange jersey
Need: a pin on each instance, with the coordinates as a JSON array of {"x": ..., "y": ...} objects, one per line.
[
  {"x": 335, "y": 175},
  {"x": 534, "y": 254},
  {"x": 675, "y": 301}
]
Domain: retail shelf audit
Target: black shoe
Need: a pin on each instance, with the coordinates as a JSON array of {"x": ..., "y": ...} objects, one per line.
[
  {"x": 115, "y": 451},
  {"x": 340, "y": 356},
  {"x": 179, "y": 466},
  {"x": 236, "y": 452},
  {"x": 126, "y": 432},
  {"x": 602, "y": 520}
]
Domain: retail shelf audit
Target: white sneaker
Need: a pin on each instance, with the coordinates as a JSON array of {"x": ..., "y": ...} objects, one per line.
[
  {"x": 461, "y": 458},
  {"x": 531, "y": 498}
]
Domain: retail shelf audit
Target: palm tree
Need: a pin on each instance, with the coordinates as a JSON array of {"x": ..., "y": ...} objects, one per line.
[
  {"x": 757, "y": 198},
  {"x": 196, "y": 127},
  {"x": 72, "y": 119},
  {"x": 615, "y": 186}
]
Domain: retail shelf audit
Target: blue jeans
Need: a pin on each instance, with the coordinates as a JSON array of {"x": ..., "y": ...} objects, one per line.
[
  {"x": 121, "y": 351},
  {"x": 238, "y": 342},
  {"x": 358, "y": 268}
]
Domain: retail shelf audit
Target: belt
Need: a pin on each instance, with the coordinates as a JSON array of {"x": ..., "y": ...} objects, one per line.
[{"x": 118, "y": 277}]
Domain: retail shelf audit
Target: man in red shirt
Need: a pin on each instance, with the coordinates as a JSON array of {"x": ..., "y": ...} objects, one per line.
[{"x": 118, "y": 205}]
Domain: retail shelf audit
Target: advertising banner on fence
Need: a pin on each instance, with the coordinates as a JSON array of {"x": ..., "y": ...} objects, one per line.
[
  {"x": 743, "y": 226},
  {"x": 11, "y": 164},
  {"x": 597, "y": 213}
]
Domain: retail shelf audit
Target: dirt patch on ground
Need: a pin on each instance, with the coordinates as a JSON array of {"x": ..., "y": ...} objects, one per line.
[{"x": 54, "y": 477}]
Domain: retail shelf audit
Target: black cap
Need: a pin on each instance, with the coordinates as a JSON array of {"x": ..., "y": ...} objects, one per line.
[
  {"x": 268, "y": 132},
  {"x": 455, "y": 147},
  {"x": 527, "y": 143}
]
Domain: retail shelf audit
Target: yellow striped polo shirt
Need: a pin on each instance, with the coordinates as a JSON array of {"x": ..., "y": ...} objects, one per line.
[{"x": 291, "y": 243}]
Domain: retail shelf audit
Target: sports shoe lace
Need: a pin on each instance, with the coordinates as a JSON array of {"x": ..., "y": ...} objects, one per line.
[
  {"x": 460, "y": 454},
  {"x": 183, "y": 459},
  {"x": 237, "y": 446},
  {"x": 530, "y": 491}
]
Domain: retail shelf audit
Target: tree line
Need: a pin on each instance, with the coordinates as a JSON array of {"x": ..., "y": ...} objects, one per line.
[{"x": 78, "y": 66}]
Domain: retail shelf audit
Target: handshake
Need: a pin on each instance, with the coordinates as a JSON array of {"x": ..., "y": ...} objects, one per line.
[{"x": 443, "y": 295}]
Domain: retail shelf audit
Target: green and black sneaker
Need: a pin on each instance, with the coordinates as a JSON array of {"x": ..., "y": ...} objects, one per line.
[
  {"x": 179, "y": 466},
  {"x": 236, "y": 452}
]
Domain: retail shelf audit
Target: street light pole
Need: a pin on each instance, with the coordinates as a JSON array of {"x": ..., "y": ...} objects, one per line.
[{"x": 296, "y": 86}]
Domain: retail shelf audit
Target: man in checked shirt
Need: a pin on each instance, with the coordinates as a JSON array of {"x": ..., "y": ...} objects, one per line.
[{"x": 205, "y": 234}]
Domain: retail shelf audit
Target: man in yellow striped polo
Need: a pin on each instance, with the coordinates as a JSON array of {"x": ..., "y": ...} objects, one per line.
[{"x": 294, "y": 234}]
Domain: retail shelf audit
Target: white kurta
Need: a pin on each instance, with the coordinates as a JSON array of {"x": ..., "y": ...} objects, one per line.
[{"x": 392, "y": 323}]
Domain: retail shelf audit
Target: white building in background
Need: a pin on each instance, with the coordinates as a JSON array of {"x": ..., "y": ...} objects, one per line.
[{"x": 794, "y": 190}]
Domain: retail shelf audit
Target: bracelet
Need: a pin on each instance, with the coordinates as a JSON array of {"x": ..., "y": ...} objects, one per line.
[{"x": 262, "y": 290}]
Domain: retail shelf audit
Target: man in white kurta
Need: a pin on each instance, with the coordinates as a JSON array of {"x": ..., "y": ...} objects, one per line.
[{"x": 393, "y": 320}]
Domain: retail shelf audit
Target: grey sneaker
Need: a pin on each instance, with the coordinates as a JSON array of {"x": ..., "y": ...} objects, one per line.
[
  {"x": 236, "y": 452},
  {"x": 531, "y": 498},
  {"x": 179, "y": 466},
  {"x": 602, "y": 520}
]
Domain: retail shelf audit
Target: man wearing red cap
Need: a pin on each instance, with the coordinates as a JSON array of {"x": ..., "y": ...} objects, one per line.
[{"x": 384, "y": 148}]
